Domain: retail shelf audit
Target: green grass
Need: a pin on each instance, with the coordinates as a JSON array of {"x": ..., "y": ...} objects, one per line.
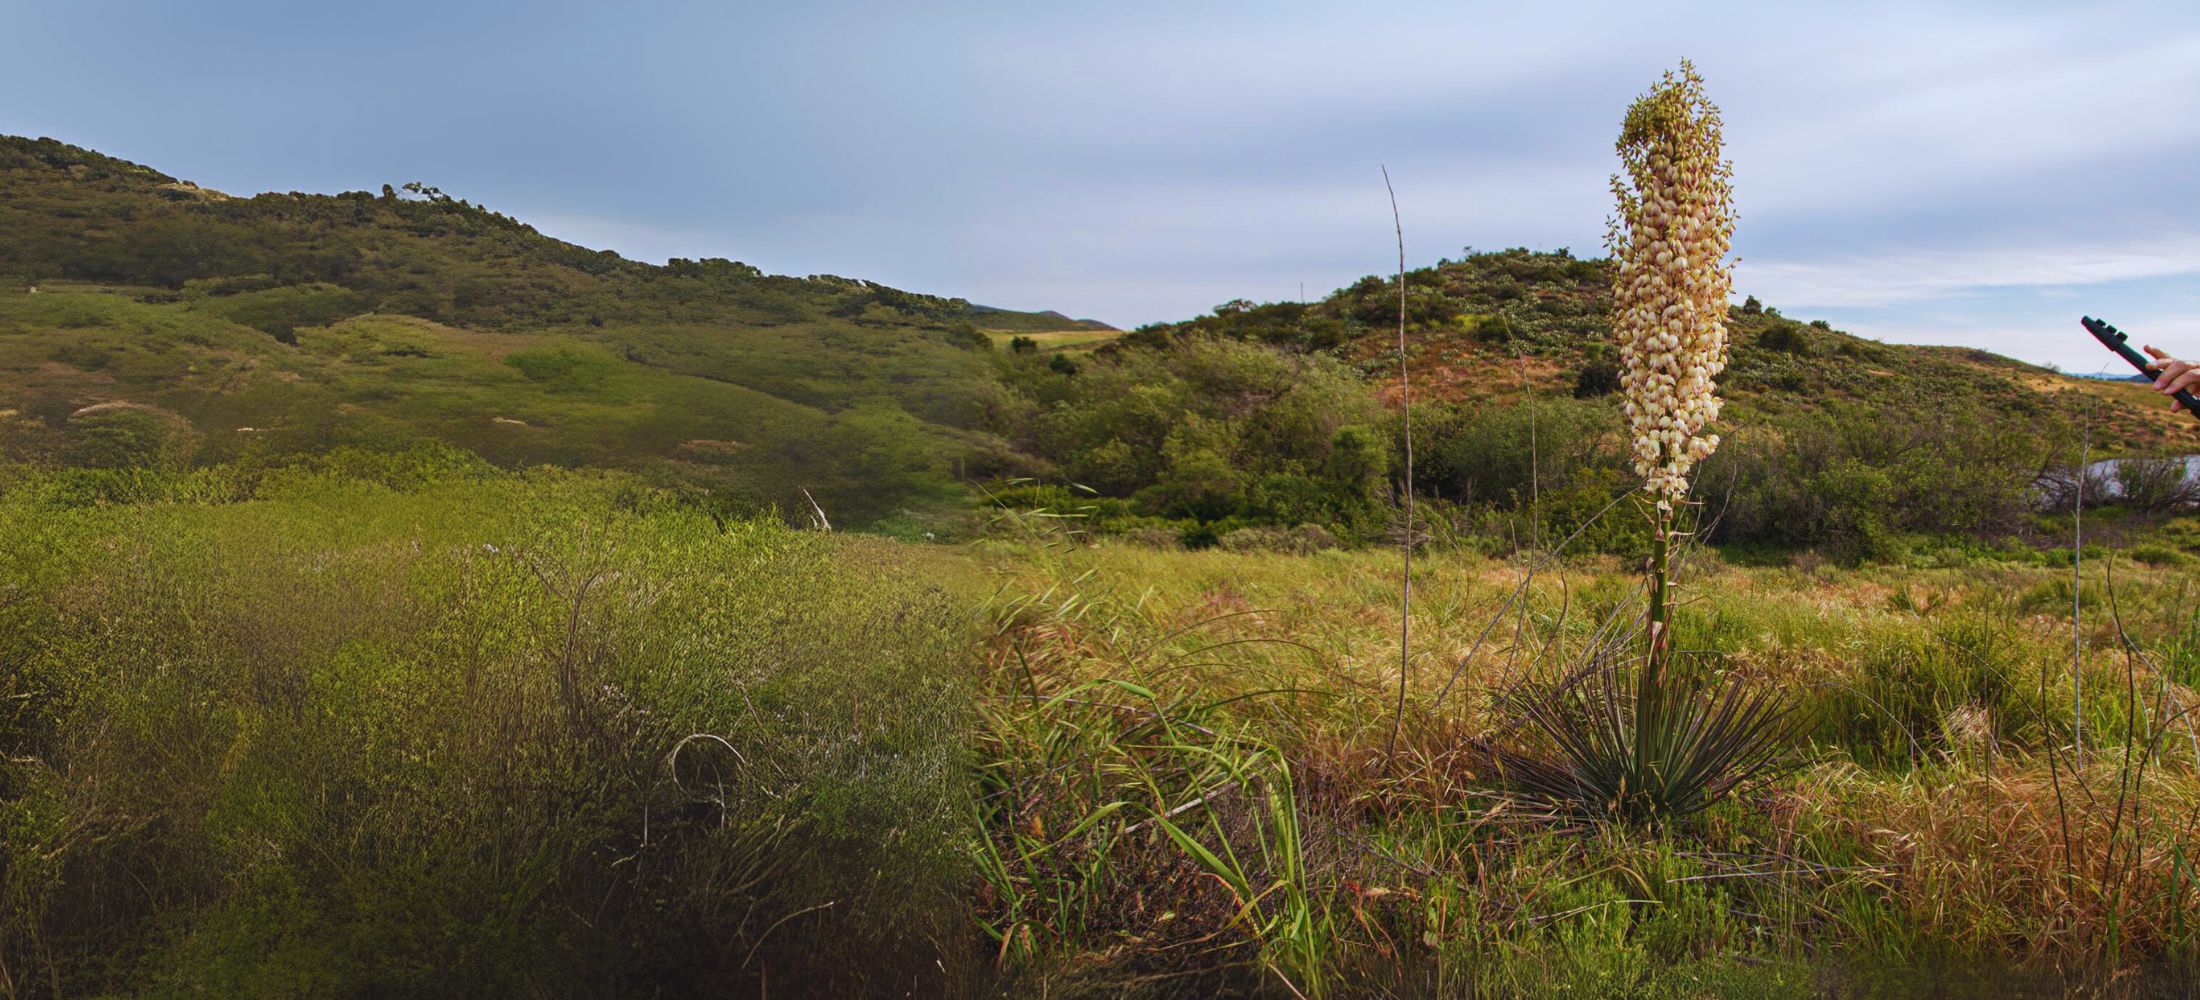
[
  {"x": 1053, "y": 340},
  {"x": 1922, "y": 829},
  {"x": 358, "y": 725},
  {"x": 332, "y": 737}
]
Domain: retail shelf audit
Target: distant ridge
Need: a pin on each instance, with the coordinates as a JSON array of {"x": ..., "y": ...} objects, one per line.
[{"x": 990, "y": 312}]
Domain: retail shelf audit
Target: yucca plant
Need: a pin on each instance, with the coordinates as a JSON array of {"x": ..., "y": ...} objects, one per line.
[
  {"x": 1623, "y": 750},
  {"x": 1627, "y": 736}
]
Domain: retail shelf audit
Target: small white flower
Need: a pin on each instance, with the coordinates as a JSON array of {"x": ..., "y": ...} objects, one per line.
[{"x": 1671, "y": 238}]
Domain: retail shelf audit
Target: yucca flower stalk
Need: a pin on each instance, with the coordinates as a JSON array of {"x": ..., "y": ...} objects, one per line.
[
  {"x": 1670, "y": 239},
  {"x": 1677, "y": 745}
]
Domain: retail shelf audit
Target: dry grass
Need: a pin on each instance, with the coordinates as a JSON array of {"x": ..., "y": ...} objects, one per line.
[{"x": 1927, "y": 824}]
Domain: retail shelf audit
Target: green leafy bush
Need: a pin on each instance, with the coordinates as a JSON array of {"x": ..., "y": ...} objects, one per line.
[{"x": 1208, "y": 430}]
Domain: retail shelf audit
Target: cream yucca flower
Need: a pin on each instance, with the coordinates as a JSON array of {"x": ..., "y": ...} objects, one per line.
[{"x": 1670, "y": 240}]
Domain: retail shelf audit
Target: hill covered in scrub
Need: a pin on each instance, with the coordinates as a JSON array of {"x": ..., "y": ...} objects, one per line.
[
  {"x": 146, "y": 318},
  {"x": 147, "y": 321},
  {"x": 1832, "y": 440},
  {"x": 1499, "y": 325}
]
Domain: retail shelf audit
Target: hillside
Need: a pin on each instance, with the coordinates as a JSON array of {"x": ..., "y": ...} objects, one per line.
[
  {"x": 144, "y": 315},
  {"x": 146, "y": 319},
  {"x": 1495, "y": 326},
  {"x": 1832, "y": 442}
]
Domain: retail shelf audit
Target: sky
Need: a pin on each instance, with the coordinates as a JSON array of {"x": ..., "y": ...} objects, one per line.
[{"x": 1963, "y": 173}]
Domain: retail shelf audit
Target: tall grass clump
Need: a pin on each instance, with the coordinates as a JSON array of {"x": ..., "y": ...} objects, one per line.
[
  {"x": 478, "y": 735},
  {"x": 1666, "y": 745},
  {"x": 1122, "y": 800}
]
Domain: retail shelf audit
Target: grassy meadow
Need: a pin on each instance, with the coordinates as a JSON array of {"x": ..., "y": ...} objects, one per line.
[
  {"x": 416, "y": 727},
  {"x": 1936, "y": 816},
  {"x": 409, "y": 724}
]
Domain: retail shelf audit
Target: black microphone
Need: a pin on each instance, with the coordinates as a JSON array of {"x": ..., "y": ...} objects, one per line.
[{"x": 2115, "y": 340}]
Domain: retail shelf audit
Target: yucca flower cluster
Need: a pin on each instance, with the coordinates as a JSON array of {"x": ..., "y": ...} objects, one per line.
[{"x": 1670, "y": 239}]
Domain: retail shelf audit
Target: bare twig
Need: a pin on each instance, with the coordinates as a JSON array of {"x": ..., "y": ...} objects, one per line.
[
  {"x": 1405, "y": 545},
  {"x": 2077, "y": 599}
]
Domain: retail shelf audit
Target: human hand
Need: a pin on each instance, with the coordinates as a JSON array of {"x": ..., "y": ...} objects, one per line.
[{"x": 2171, "y": 374}]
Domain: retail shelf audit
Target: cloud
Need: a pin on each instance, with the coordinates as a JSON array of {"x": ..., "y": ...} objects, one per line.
[
  {"x": 2012, "y": 114},
  {"x": 1882, "y": 279}
]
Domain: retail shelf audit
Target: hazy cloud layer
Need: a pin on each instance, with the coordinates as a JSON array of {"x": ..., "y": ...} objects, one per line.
[{"x": 1965, "y": 173}]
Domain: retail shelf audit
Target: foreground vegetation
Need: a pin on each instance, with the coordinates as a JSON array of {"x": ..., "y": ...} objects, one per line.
[
  {"x": 405, "y": 724},
  {"x": 1938, "y": 816},
  {"x": 411, "y": 727}
]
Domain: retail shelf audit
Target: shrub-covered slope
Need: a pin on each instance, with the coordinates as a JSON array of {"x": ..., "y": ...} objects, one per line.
[
  {"x": 142, "y": 314},
  {"x": 1491, "y": 326},
  {"x": 145, "y": 319},
  {"x": 1832, "y": 440}
]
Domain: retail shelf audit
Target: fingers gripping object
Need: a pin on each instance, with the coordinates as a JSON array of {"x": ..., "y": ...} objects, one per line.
[{"x": 2116, "y": 340}]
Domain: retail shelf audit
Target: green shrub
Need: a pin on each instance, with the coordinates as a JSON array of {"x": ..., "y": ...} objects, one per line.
[
  {"x": 1596, "y": 378},
  {"x": 1852, "y": 482},
  {"x": 2155, "y": 555},
  {"x": 1212, "y": 429},
  {"x": 116, "y": 436},
  {"x": 1789, "y": 338},
  {"x": 564, "y": 368},
  {"x": 1506, "y": 453}
]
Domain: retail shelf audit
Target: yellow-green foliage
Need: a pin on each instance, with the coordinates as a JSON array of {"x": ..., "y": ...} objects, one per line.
[
  {"x": 1922, "y": 827},
  {"x": 387, "y": 729},
  {"x": 379, "y": 723}
]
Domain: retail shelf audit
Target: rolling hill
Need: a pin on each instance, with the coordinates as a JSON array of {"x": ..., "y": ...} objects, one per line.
[
  {"x": 1499, "y": 325},
  {"x": 144, "y": 318},
  {"x": 145, "y": 315}
]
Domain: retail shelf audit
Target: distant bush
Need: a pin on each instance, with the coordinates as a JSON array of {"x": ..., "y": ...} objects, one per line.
[
  {"x": 1506, "y": 453},
  {"x": 2155, "y": 483},
  {"x": 564, "y": 368},
  {"x": 2155, "y": 555},
  {"x": 1785, "y": 337},
  {"x": 1209, "y": 430},
  {"x": 1596, "y": 378},
  {"x": 280, "y": 311},
  {"x": 116, "y": 435}
]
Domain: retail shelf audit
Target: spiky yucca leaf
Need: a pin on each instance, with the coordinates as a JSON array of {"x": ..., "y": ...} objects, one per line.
[{"x": 1623, "y": 751}]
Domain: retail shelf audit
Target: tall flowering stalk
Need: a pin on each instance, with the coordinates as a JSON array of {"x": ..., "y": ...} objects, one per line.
[
  {"x": 1671, "y": 750},
  {"x": 1670, "y": 239}
]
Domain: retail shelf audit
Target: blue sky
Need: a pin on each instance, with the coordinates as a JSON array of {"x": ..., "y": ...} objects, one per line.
[{"x": 1939, "y": 173}]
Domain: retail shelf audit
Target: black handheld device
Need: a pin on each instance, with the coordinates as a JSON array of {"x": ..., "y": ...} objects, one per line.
[{"x": 2115, "y": 340}]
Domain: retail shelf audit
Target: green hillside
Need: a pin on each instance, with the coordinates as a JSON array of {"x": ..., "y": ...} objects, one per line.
[
  {"x": 1477, "y": 325},
  {"x": 1832, "y": 441},
  {"x": 144, "y": 319},
  {"x": 144, "y": 315}
]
